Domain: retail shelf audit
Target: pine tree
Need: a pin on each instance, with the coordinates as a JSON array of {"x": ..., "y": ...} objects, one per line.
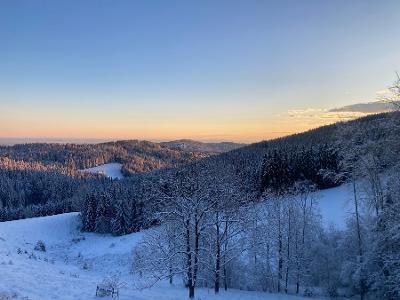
[
  {"x": 103, "y": 214},
  {"x": 118, "y": 223},
  {"x": 89, "y": 213}
]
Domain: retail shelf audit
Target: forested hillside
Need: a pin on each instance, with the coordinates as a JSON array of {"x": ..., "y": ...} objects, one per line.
[
  {"x": 324, "y": 157},
  {"x": 136, "y": 156},
  {"x": 45, "y": 179}
]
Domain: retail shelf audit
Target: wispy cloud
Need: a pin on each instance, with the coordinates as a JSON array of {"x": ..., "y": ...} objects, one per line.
[
  {"x": 367, "y": 108},
  {"x": 313, "y": 117},
  {"x": 305, "y": 113}
]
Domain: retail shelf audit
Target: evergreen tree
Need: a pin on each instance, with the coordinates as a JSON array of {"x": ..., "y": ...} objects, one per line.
[
  {"x": 103, "y": 214},
  {"x": 119, "y": 225},
  {"x": 89, "y": 215}
]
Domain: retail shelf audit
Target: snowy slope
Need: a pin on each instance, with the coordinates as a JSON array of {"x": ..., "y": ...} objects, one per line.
[
  {"x": 74, "y": 263},
  {"x": 335, "y": 205},
  {"x": 112, "y": 170}
]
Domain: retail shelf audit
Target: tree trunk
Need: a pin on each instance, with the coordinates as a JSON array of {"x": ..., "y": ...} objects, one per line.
[
  {"x": 360, "y": 252},
  {"x": 225, "y": 279},
  {"x": 217, "y": 256},
  {"x": 288, "y": 254},
  {"x": 303, "y": 234},
  {"x": 170, "y": 275},
  {"x": 297, "y": 263},
  {"x": 280, "y": 259},
  {"x": 196, "y": 250},
  {"x": 191, "y": 291},
  {"x": 225, "y": 250},
  {"x": 189, "y": 261}
]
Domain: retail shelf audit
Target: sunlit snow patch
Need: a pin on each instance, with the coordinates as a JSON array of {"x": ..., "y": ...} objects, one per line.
[{"x": 112, "y": 170}]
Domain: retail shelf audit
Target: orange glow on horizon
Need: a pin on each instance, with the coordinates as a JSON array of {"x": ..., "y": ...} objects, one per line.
[{"x": 245, "y": 132}]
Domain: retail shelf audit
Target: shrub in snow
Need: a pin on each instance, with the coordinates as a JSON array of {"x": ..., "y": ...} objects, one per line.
[
  {"x": 40, "y": 246},
  {"x": 110, "y": 286},
  {"x": 308, "y": 292},
  {"x": 86, "y": 265},
  {"x": 332, "y": 291},
  {"x": 8, "y": 295},
  {"x": 77, "y": 240}
]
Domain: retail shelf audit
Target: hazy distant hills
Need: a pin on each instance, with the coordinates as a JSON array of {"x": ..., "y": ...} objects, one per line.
[
  {"x": 196, "y": 146},
  {"x": 187, "y": 145}
]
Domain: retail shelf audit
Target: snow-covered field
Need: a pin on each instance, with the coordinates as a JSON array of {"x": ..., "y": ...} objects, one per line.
[
  {"x": 112, "y": 170},
  {"x": 74, "y": 263}
]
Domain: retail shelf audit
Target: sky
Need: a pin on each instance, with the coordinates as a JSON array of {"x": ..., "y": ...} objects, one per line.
[{"x": 208, "y": 70}]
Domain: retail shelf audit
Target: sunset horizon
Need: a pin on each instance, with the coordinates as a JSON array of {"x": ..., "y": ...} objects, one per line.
[{"x": 212, "y": 71}]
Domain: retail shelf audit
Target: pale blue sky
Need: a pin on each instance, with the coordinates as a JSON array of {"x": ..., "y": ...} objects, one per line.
[{"x": 187, "y": 69}]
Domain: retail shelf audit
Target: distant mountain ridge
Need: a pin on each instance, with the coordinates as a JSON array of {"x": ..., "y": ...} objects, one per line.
[{"x": 196, "y": 146}]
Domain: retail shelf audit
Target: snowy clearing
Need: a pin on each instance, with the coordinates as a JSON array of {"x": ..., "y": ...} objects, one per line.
[
  {"x": 112, "y": 170},
  {"x": 335, "y": 205},
  {"x": 75, "y": 262}
]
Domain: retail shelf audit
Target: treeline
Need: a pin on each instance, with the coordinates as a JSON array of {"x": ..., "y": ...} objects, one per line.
[
  {"x": 102, "y": 214},
  {"x": 120, "y": 209},
  {"x": 283, "y": 167},
  {"x": 32, "y": 189},
  {"x": 27, "y": 193}
]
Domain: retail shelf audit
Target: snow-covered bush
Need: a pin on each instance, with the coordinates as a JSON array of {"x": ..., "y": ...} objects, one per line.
[
  {"x": 86, "y": 265},
  {"x": 8, "y": 295},
  {"x": 32, "y": 256},
  {"x": 77, "y": 240},
  {"x": 332, "y": 290},
  {"x": 308, "y": 292},
  {"x": 110, "y": 286},
  {"x": 40, "y": 246}
]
